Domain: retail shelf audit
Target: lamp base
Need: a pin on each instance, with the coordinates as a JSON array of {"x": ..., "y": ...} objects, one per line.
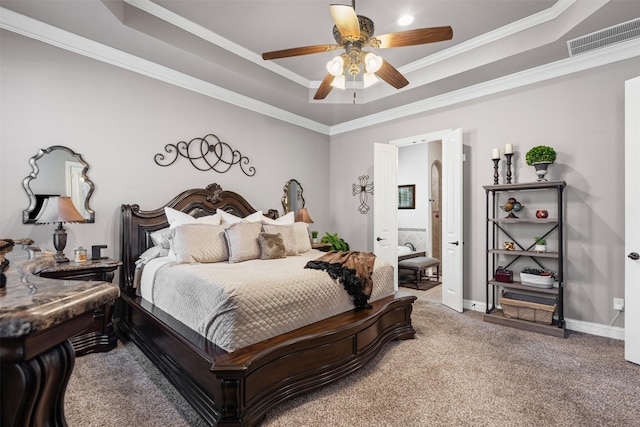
[
  {"x": 60, "y": 258},
  {"x": 59, "y": 242}
]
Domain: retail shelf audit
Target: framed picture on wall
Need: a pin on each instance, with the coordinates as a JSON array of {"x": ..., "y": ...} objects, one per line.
[{"x": 407, "y": 196}]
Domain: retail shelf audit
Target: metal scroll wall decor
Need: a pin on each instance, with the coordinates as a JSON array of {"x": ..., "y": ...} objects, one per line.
[
  {"x": 208, "y": 153},
  {"x": 363, "y": 189}
]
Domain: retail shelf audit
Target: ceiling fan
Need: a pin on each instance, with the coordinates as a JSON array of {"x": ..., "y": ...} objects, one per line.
[{"x": 352, "y": 33}]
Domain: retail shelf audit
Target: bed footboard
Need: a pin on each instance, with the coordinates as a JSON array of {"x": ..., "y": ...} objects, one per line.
[{"x": 239, "y": 388}]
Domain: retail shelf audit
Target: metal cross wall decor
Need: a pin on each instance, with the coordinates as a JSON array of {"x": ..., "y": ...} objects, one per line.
[
  {"x": 208, "y": 153},
  {"x": 363, "y": 189}
]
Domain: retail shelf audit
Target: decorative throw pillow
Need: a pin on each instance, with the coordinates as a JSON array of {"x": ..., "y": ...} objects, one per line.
[
  {"x": 176, "y": 218},
  {"x": 285, "y": 219},
  {"x": 288, "y": 236},
  {"x": 228, "y": 218},
  {"x": 161, "y": 237},
  {"x": 271, "y": 246},
  {"x": 199, "y": 243},
  {"x": 242, "y": 241},
  {"x": 301, "y": 230}
]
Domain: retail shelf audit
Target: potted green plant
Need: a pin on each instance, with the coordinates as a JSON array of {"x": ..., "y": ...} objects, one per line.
[
  {"x": 540, "y": 157},
  {"x": 541, "y": 244},
  {"x": 314, "y": 236},
  {"x": 337, "y": 243}
]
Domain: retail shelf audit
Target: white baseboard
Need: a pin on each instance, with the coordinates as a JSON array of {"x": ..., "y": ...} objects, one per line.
[
  {"x": 614, "y": 332},
  {"x": 598, "y": 329}
]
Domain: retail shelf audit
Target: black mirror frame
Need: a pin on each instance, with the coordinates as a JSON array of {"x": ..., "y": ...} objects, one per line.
[{"x": 34, "y": 173}]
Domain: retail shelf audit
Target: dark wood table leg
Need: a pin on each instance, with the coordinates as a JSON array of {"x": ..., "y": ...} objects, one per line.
[{"x": 33, "y": 390}]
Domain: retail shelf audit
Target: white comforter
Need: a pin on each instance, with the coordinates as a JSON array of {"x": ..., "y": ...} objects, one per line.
[{"x": 235, "y": 305}]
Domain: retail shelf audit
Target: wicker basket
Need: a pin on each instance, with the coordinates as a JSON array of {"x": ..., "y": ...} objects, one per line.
[{"x": 527, "y": 307}]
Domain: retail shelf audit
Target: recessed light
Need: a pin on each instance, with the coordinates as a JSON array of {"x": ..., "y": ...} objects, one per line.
[{"x": 405, "y": 20}]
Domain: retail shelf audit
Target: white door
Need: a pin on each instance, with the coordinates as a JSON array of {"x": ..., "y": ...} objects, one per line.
[
  {"x": 632, "y": 226},
  {"x": 385, "y": 204},
  {"x": 452, "y": 260}
]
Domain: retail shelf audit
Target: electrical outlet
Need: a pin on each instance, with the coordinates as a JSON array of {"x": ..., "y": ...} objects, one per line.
[{"x": 618, "y": 304}]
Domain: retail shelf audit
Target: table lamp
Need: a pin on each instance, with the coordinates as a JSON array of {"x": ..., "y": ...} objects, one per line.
[
  {"x": 303, "y": 216},
  {"x": 59, "y": 209}
]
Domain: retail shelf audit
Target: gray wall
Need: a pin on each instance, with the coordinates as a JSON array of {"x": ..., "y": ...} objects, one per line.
[
  {"x": 118, "y": 121},
  {"x": 581, "y": 115}
]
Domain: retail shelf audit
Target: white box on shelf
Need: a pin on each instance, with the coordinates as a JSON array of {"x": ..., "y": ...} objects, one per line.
[{"x": 537, "y": 281}]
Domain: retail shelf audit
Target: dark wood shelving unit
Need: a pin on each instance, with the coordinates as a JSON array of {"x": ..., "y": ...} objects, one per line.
[{"x": 503, "y": 227}]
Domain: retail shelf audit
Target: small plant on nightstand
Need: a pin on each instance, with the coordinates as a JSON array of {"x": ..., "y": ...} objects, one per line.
[{"x": 314, "y": 236}]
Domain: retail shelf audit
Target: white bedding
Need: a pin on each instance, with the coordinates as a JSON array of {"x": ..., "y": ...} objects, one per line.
[{"x": 238, "y": 304}]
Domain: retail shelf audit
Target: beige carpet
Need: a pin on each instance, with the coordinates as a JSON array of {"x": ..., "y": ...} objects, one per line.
[{"x": 459, "y": 371}]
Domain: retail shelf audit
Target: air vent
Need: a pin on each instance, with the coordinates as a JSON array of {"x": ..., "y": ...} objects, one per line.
[{"x": 603, "y": 38}]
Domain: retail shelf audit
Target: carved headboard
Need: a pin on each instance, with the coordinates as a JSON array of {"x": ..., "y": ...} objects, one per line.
[{"x": 137, "y": 225}]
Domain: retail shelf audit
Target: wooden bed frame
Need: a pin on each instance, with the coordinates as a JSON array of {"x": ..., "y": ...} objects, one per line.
[{"x": 238, "y": 388}]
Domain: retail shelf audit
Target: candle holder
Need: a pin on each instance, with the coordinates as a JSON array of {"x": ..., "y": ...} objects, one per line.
[
  {"x": 496, "y": 175},
  {"x": 508, "y": 156}
]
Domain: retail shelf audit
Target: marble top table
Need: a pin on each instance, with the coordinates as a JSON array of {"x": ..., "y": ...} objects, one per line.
[
  {"x": 37, "y": 316},
  {"x": 30, "y": 303}
]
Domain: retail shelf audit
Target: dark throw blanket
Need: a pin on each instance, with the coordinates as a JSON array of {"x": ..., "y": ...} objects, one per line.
[{"x": 352, "y": 269}]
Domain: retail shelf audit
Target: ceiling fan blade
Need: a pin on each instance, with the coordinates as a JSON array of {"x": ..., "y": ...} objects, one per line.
[
  {"x": 392, "y": 76},
  {"x": 415, "y": 37},
  {"x": 298, "y": 51},
  {"x": 325, "y": 87},
  {"x": 346, "y": 20}
]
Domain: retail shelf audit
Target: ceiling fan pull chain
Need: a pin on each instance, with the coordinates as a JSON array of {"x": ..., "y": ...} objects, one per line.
[{"x": 354, "y": 87}]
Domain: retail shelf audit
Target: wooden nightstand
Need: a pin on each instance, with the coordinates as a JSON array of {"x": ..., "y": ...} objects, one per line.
[
  {"x": 324, "y": 247},
  {"x": 100, "y": 337}
]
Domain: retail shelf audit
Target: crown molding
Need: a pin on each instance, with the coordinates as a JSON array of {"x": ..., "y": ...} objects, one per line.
[
  {"x": 597, "y": 58},
  {"x": 197, "y": 30},
  {"x": 492, "y": 36},
  {"x": 54, "y": 36},
  {"x": 32, "y": 28}
]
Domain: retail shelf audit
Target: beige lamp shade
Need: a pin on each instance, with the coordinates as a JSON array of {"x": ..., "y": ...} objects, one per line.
[
  {"x": 303, "y": 216},
  {"x": 59, "y": 209}
]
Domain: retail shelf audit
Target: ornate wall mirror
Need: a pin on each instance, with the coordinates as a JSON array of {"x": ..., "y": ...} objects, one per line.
[
  {"x": 58, "y": 171},
  {"x": 292, "y": 199}
]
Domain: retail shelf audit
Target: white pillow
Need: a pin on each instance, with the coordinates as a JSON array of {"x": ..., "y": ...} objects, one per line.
[
  {"x": 285, "y": 219},
  {"x": 288, "y": 236},
  {"x": 161, "y": 237},
  {"x": 152, "y": 253},
  {"x": 199, "y": 243},
  {"x": 242, "y": 241},
  {"x": 176, "y": 218},
  {"x": 228, "y": 218},
  {"x": 301, "y": 231}
]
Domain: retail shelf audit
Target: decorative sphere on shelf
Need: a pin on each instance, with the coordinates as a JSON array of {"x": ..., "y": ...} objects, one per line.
[{"x": 542, "y": 213}]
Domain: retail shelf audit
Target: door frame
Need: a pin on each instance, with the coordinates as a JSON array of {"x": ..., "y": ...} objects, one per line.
[{"x": 425, "y": 138}]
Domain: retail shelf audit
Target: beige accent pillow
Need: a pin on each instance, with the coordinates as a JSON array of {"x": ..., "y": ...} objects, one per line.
[
  {"x": 228, "y": 218},
  {"x": 288, "y": 236},
  {"x": 199, "y": 243},
  {"x": 301, "y": 231},
  {"x": 271, "y": 246},
  {"x": 242, "y": 241}
]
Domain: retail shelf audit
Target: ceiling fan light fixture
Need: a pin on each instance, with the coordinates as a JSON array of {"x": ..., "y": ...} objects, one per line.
[
  {"x": 339, "y": 82},
  {"x": 335, "y": 66},
  {"x": 368, "y": 79},
  {"x": 372, "y": 62}
]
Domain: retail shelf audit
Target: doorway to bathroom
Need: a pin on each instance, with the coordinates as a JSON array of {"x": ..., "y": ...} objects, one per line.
[{"x": 420, "y": 224}]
